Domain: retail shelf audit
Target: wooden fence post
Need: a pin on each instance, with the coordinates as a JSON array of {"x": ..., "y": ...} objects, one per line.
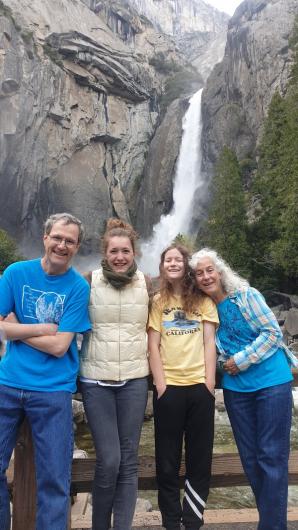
[{"x": 24, "y": 483}]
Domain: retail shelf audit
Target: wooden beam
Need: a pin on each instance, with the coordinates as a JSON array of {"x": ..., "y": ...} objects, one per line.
[{"x": 226, "y": 471}]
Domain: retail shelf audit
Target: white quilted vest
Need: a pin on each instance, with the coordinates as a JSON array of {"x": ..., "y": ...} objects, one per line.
[{"x": 116, "y": 348}]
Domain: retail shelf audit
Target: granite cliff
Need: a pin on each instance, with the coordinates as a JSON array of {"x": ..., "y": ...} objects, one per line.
[
  {"x": 257, "y": 62},
  {"x": 92, "y": 95},
  {"x": 79, "y": 107}
]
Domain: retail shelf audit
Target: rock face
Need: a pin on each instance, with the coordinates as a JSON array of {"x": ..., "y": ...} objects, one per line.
[
  {"x": 77, "y": 113},
  {"x": 197, "y": 29},
  {"x": 256, "y": 63},
  {"x": 78, "y": 110},
  {"x": 170, "y": 33},
  {"x": 155, "y": 197},
  {"x": 81, "y": 127},
  {"x": 203, "y": 50},
  {"x": 178, "y": 17}
]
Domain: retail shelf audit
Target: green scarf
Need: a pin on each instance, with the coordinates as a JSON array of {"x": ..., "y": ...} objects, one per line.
[{"x": 118, "y": 279}]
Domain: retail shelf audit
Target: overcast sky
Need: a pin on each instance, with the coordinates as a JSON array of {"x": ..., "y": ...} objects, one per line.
[{"x": 228, "y": 6}]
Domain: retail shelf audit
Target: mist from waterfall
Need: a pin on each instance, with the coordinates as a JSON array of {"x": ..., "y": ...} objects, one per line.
[{"x": 187, "y": 180}]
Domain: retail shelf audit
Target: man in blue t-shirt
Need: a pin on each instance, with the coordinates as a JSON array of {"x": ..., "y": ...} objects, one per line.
[{"x": 43, "y": 304}]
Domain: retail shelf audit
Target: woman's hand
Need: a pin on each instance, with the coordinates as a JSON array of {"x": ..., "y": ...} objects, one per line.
[
  {"x": 231, "y": 367},
  {"x": 210, "y": 385},
  {"x": 161, "y": 390}
]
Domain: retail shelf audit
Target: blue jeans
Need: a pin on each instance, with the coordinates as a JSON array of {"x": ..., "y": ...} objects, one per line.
[
  {"x": 115, "y": 416},
  {"x": 261, "y": 423},
  {"x": 50, "y": 417}
]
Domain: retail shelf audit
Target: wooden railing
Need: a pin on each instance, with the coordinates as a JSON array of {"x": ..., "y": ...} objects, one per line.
[{"x": 226, "y": 471}]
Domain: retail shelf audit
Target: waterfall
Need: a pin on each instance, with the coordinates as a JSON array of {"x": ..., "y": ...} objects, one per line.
[{"x": 187, "y": 181}]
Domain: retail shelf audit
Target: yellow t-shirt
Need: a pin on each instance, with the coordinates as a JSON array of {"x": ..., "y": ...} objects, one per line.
[{"x": 182, "y": 341}]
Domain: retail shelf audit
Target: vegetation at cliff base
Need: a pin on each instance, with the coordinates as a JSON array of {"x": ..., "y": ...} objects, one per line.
[
  {"x": 276, "y": 183},
  {"x": 226, "y": 225},
  {"x": 187, "y": 241},
  {"x": 8, "y": 251},
  {"x": 263, "y": 244}
]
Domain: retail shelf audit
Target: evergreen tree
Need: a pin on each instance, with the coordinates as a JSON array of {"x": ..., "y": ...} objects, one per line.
[
  {"x": 186, "y": 240},
  {"x": 272, "y": 238},
  {"x": 226, "y": 225},
  {"x": 269, "y": 186},
  {"x": 284, "y": 249},
  {"x": 8, "y": 251},
  {"x": 293, "y": 43}
]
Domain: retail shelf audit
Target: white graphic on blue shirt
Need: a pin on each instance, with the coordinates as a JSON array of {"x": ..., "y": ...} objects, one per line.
[{"x": 43, "y": 306}]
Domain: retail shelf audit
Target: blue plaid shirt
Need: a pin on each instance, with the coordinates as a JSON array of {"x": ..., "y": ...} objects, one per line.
[{"x": 262, "y": 321}]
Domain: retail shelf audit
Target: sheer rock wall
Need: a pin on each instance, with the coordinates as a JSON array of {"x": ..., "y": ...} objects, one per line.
[
  {"x": 77, "y": 113},
  {"x": 257, "y": 62}
]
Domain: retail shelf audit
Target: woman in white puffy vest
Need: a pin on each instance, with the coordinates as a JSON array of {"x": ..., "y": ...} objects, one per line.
[{"x": 114, "y": 369}]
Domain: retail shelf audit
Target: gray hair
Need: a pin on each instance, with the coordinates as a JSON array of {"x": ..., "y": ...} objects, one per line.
[
  {"x": 230, "y": 280},
  {"x": 68, "y": 219}
]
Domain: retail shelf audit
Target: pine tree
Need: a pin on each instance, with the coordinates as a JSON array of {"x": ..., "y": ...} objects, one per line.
[
  {"x": 269, "y": 186},
  {"x": 285, "y": 248},
  {"x": 186, "y": 240},
  {"x": 226, "y": 225}
]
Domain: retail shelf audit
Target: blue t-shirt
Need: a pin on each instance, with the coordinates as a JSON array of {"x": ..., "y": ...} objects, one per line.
[
  {"x": 36, "y": 297},
  {"x": 234, "y": 335}
]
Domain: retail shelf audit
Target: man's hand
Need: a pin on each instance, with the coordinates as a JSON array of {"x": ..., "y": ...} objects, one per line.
[
  {"x": 231, "y": 367},
  {"x": 41, "y": 329},
  {"x": 11, "y": 317}
]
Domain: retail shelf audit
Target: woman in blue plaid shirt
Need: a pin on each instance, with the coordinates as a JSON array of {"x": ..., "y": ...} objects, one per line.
[{"x": 256, "y": 382}]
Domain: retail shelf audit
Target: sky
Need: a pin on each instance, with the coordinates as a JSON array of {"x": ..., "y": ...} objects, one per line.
[{"x": 228, "y": 6}]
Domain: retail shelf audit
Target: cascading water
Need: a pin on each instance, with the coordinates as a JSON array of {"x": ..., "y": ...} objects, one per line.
[{"x": 187, "y": 181}]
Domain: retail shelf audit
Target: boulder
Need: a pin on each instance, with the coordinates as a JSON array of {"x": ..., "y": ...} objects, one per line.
[
  {"x": 78, "y": 411},
  {"x": 143, "y": 505},
  {"x": 291, "y": 322},
  {"x": 282, "y": 301}
]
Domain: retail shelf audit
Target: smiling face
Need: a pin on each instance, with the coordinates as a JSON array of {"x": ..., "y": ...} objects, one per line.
[
  {"x": 119, "y": 253},
  {"x": 208, "y": 279},
  {"x": 173, "y": 265},
  {"x": 61, "y": 245}
]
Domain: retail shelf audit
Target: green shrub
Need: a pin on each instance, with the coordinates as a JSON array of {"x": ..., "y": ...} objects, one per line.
[{"x": 8, "y": 251}]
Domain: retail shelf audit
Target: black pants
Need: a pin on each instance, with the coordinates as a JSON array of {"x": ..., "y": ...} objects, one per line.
[{"x": 183, "y": 412}]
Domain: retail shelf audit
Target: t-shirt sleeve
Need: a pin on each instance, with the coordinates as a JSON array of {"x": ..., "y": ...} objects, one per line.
[
  {"x": 75, "y": 317},
  {"x": 6, "y": 293},
  {"x": 209, "y": 311},
  {"x": 154, "y": 321}
]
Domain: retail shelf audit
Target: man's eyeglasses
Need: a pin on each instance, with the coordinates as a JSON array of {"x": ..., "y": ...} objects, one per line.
[{"x": 69, "y": 243}]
